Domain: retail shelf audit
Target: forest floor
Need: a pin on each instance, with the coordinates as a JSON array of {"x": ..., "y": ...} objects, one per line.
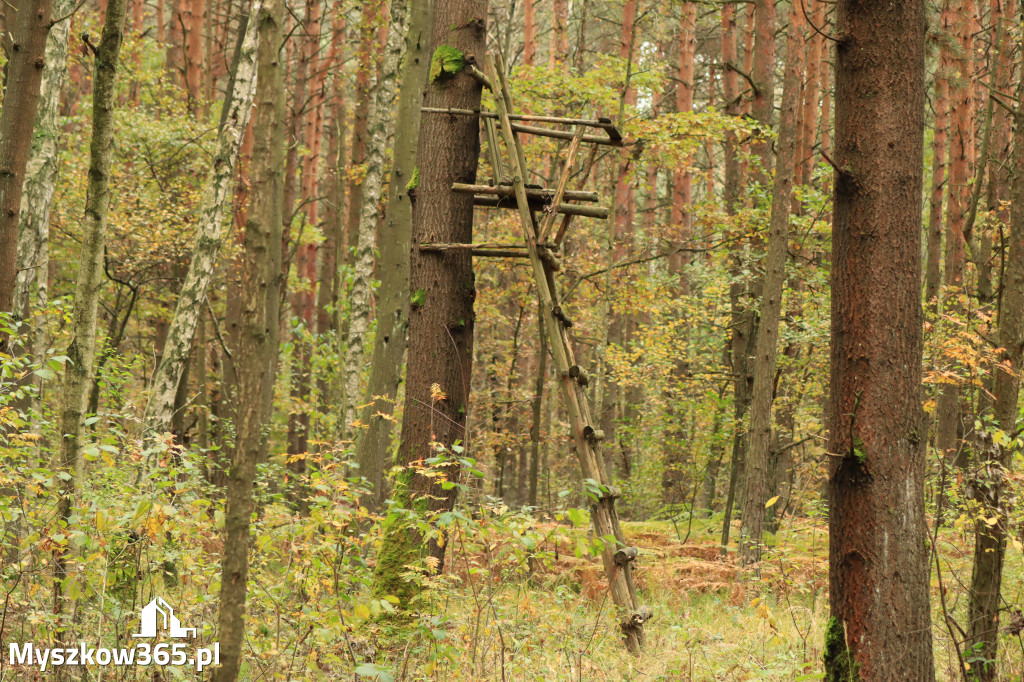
[{"x": 710, "y": 621}]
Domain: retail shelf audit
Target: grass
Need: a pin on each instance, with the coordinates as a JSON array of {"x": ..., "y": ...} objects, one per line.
[{"x": 710, "y": 622}]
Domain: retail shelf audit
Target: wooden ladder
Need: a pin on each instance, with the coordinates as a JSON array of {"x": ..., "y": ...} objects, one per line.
[{"x": 542, "y": 243}]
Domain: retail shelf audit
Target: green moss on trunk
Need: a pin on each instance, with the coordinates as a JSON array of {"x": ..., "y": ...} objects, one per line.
[
  {"x": 401, "y": 546},
  {"x": 839, "y": 663},
  {"x": 446, "y": 62}
]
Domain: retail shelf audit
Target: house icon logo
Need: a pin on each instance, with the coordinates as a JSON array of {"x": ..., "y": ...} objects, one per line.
[{"x": 158, "y": 614}]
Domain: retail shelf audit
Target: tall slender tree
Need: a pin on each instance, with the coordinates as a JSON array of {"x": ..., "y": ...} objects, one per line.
[
  {"x": 766, "y": 344},
  {"x": 880, "y": 624},
  {"x": 216, "y": 197},
  {"x": 262, "y": 226},
  {"x": 82, "y": 350},
  {"x": 372, "y": 449}
]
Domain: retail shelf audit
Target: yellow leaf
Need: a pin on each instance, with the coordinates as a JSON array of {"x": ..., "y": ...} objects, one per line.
[{"x": 771, "y": 502}]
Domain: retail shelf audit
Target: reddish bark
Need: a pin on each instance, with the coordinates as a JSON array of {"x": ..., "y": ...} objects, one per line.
[{"x": 880, "y": 627}]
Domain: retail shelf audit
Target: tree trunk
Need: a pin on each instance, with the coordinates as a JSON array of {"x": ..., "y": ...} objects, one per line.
[
  {"x": 880, "y": 625},
  {"x": 766, "y": 345},
  {"x": 537, "y": 405},
  {"x": 559, "y": 32},
  {"x": 357, "y": 157},
  {"x": 934, "y": 248},
  {"x": 216, "y": 198},
  {"x": 990, "y": 540},
  {"x": 82, "y": 350},
  {"x": 372, "y": 451},
  {"x": 24, "y": 77},
  {"x": 361, "y": 298},
  {"x": 263, "y": 221},
  {"x": 41, "y": 171},
  {"x": 948, "y": 415},
  {"x": 441, "y": 317},
  {"x": 746, "y": 289}
]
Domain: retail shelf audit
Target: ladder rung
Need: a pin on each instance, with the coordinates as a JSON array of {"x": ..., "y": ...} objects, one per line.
[{"x": 531, "y": 192}]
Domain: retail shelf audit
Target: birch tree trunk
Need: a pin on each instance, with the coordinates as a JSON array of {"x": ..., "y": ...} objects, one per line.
[
  {"x": 766, "y": 344},
  {"x": 24, "y": 73},
  {"x": 393, "y": 296},
  {"x": 216, "y": 199},
  {"x": 373, "y": 183},
  {"x": 82, "y": 350},
  {"x": 262, "y": 228}
]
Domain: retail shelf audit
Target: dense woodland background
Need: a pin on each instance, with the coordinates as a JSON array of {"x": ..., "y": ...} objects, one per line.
[{"x": 211, "y": 221}]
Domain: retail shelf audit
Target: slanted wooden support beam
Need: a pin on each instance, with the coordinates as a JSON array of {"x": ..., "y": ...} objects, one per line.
[
  {"x": 563, "y": 209},
  {"x": 560, "y": 190},
  {"x": 566, "y": 135},
  {"x": 531, "y": 192}
]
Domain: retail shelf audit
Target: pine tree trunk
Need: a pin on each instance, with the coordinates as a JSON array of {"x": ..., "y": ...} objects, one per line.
[
  {"x": 766, "y": 344},
  {"x": 948, "y": 416},
  {"x": 216, "y": 199},
  {"x": 360, "y": 300},
  {"x": 880, "y": 625},
  {"x": 24, "y": 74},
  {"x": 261, "y": 226},
  {"x": 372, "y": 449},
  {"x": 82, "y": 350},
  {"x": 441, "y": 311}
]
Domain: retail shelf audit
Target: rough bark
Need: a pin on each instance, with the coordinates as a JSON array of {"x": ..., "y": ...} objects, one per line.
[
  {"x": 880, "y": 625},
  {"x": 372, "y": 449},
  {"x": 262, "y": 223},
  {"x": 441, "y": 311},
  {"x": 81, "y": 351},
  {"x": 216, "y": 199},
  {"x": 361, "y": 298},
  {"x": 766, "y": 344},
  {"x": 23, "y": 78}
]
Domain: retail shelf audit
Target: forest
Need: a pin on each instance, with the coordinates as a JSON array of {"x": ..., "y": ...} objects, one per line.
[{"x": 508, "y": 340}]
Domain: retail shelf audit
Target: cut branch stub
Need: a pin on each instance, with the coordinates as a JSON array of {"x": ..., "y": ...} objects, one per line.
[
  {"x": 636, "y": 619},
  {"x": 592, "y": 434},
  {"x": 625, "y": 555}
]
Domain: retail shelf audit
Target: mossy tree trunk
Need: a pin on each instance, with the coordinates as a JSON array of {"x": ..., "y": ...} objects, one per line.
[{"x": 441, "y": 310}]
